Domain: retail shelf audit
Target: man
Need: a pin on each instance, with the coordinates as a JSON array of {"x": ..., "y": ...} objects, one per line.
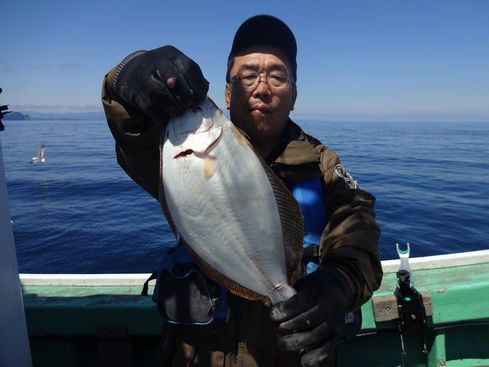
[{"x": 148, "y": 88}]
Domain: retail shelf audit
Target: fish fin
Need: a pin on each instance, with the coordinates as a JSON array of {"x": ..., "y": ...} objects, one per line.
[
  {"x": 291, "y": 220},
  {"x": 221, "y": 279}
]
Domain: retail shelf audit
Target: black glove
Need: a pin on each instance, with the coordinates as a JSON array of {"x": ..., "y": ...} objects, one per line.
[
  {"x": 160, "y": 82},
  {"x": 309, "y": 318}
]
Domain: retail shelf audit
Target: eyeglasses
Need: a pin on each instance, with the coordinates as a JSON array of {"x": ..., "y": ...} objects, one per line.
[{"x": 249, "y": 79}]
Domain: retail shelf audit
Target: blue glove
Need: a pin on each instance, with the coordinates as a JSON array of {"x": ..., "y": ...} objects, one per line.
[
  {"x": 310, "y": 317},
  {"x": 160, "y": 82}
]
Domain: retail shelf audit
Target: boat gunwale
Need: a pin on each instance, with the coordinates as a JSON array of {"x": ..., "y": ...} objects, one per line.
[
  {"x": 388, "y": 266},
  {"x": 439, "y": 261}
]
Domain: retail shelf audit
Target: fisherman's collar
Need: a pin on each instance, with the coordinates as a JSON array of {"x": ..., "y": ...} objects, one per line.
[
  {"x": 282, "y": 144},
  {"x": 293, "y": 147}
]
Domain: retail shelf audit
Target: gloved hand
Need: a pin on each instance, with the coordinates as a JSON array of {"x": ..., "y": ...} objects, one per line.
[
  {"x": 159, "y": 82},
  {"x": 309, "y": 318}
]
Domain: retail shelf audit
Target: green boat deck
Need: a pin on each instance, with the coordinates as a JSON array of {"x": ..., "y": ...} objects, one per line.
[
  {"x": 75, "y": 321},
  {"x": 458, "y": 329}
]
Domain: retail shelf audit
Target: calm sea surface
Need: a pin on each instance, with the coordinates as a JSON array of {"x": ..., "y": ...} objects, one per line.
[{"x": 80, "y": 213}]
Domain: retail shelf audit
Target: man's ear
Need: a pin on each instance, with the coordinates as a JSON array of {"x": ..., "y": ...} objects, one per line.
[
  {"x": 293, "y": 97},
  {"x": 227, "y": 95}
]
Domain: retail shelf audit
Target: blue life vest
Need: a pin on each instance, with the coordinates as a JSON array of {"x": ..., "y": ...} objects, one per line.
[{"x": 309, "y": 195}]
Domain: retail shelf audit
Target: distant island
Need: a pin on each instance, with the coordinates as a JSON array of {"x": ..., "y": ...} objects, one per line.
[
  {"x": 16, "y": 116},
  {"x": 65, "y": 116}
]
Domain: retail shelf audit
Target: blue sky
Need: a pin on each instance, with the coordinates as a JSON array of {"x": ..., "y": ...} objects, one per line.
[{"x": 358, "y": 60}]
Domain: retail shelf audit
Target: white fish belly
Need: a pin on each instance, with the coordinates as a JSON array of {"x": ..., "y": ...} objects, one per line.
[{"x": 222, "y": 202}]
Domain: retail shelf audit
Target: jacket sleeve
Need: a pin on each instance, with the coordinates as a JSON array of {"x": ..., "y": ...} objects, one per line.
[
  {"x": 136, "y": 139},
  {"x": 350, "y": 238}
]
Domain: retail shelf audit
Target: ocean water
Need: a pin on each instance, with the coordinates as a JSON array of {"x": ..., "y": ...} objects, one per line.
[{"x": 79, "y": 213}]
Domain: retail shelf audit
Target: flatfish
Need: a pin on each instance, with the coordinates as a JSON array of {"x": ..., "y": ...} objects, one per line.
[{"x": 240, "y": 224}]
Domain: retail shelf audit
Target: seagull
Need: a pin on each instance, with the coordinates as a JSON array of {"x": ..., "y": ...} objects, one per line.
[{"x": 40, "y": 155}]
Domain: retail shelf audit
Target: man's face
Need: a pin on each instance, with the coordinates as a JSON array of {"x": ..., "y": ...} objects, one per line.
[{"x": 262, "y": 112}]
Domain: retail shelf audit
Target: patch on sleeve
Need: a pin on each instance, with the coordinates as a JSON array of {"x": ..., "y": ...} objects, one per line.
[{"x": 341, "y": 171}]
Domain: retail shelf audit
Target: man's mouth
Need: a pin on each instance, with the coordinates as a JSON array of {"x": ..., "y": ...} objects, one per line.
[{"x": 260, "y": 108}]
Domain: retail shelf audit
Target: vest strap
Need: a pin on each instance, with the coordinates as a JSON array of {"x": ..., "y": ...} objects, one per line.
[{"x": 310, "y": 254}]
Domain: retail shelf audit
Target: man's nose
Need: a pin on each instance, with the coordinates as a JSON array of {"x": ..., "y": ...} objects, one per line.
[{"x": 262, "y": 88}]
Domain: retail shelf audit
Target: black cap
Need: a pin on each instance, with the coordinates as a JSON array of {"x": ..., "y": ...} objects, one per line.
[{"x": 266, "y": 30}]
